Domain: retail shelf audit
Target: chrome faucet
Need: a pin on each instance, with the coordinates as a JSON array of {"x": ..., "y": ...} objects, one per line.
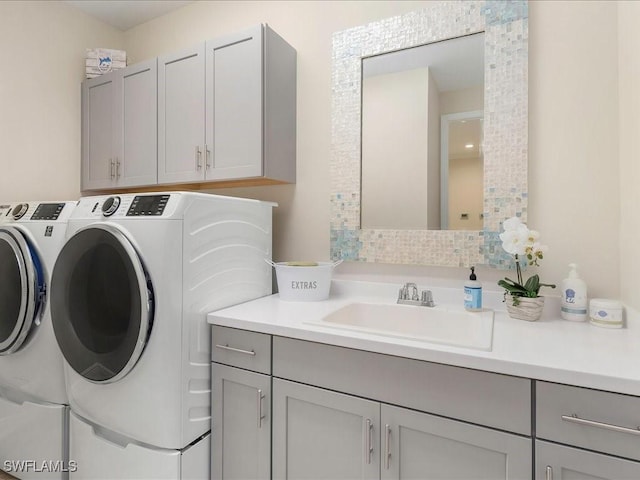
[{"x": 408, "y": 295}]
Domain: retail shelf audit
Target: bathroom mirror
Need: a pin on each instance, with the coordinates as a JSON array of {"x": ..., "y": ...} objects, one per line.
[
  {"x": 406, "y": 95},
  {"x": 504, "y": 28}
]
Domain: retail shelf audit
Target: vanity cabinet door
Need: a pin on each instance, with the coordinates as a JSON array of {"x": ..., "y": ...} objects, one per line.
[
  {"x": 181, "y": 116},
  {"x": 319, "y": 434},
  {"x": 240, "y": 424},
  {"x": 421, "y": 446},
  {"x": 559, "y": 462}
]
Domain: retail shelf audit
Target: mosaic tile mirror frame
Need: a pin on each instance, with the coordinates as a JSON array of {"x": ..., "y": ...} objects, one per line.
[{"x": 505, "y": 27}]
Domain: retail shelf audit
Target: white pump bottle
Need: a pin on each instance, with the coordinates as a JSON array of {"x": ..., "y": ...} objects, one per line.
[{"x": 574, "y": 296}]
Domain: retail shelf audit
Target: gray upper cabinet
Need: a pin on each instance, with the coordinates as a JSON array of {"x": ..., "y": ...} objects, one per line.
[
  {"x": 181, "y": 116},
  {"x": 119, "y": 128},
  {"x": 223, "y": 111},
  {"x": 227, "y": 110}
]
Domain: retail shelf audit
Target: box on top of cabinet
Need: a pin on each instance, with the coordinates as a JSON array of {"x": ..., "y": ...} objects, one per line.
[{"x": 99, "y": 61}]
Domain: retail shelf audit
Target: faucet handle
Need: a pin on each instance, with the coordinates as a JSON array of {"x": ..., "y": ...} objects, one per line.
[
  {"x": 414, "y": 291},
  {"x": 427, "y": 298}
]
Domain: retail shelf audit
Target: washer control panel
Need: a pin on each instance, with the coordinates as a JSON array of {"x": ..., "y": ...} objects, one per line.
[
  {"x": 147, "y": 205},
  {"x": 47, "y": 211}
]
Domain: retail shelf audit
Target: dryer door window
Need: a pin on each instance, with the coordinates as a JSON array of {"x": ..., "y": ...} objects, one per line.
[
  {"x": 101, "y": 303},
  {"x": 21, "y": 290}
]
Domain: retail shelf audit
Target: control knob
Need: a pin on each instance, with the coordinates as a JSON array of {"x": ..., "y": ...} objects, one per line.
[
  {"x": 110, "y": 206},
  {"x": 19, "y": 211}
]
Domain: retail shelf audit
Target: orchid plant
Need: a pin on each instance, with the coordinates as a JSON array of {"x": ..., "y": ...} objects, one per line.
[{"x": 519, "y": 241}]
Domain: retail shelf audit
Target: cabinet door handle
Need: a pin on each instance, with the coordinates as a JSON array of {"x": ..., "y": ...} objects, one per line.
[
  {"x": 387, "y": 446},
  {"x": 117, "y": 168},
  {"x": 368, "y": 444},
  {"x": 237, "y": 350},
  {"x": 607, "y": 426},
  {"x": 260, "y": 414},
  {"x": 207, "y": 156},
  {"x": 111, "y": 169},
  {"x": 198, "y": 157},
  {"x": 548, "y": 474}
]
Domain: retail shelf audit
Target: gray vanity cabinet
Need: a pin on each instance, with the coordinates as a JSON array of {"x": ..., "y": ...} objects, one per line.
[
  {"x": 119, "y": 123},
  {"x": 227, "y": 110},
  {"x": 319, "y": 434},
  {"x": 339, "y": 413}
]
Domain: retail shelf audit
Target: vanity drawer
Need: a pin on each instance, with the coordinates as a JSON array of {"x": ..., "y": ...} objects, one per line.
[
  {"x": 241, "y": 348},
  {"x": 483, "y": 398},
  {"x": 602, "y": 421}
]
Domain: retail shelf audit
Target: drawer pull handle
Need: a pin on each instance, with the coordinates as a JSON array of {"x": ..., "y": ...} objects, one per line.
[
  {"x": 237, "y": 350},
  {"x": 607, "y": 426}
]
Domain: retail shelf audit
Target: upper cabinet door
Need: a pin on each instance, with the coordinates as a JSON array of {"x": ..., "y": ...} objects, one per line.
[
  {"x": 137, "y": 99},
  {"x": 234, "y": 78},
  {"x": 98, "y": 131},
  {"x": 181, "y": 116}
]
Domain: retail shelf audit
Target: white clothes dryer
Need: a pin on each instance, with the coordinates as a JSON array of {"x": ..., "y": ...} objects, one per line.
[
  {"x": 33, "y": 399},
  {"x": 131, "y": 290}
]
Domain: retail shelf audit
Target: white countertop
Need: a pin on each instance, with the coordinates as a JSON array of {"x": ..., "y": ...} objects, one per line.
[{"x": 552, "y": 349}]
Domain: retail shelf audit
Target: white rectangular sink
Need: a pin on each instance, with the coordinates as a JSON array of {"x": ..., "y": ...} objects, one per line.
[{"x": 440, "y": 324}]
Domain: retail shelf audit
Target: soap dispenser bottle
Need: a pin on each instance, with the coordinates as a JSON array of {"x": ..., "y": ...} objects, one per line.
[
  {"x": 574, "y": 296},
  {"x": 473, "y": 293}
]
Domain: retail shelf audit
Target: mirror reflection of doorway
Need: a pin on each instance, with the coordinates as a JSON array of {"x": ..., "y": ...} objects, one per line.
[{"x": 462, "y": 171}]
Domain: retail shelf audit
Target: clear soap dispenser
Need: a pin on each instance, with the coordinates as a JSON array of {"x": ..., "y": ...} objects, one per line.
[
  {"x": 473, "y": 293},
  {"x": 574, "y": 296}
]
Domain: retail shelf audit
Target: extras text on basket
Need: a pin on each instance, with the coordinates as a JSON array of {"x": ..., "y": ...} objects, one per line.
[{"x": 304, "y": 285}]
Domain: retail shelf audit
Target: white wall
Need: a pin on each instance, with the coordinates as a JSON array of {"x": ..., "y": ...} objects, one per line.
[
  {"x": 42, "y": 48},
  {"x": 574, "y": 167},
  {"x": 573, "y": 140}
]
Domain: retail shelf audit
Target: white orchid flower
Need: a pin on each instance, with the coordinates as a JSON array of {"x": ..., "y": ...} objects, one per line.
[
  {"x": 512, "y": 223},
  {"x": 534, "y": 235},
  {"x": 514, "y": 242}
]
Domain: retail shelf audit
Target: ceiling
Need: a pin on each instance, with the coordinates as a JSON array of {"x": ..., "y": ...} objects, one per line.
[{"x": 126, "y": 14}]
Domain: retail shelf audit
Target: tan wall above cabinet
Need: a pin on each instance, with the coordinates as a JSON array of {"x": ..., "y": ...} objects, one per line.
[{"x": 222, "y": 113}]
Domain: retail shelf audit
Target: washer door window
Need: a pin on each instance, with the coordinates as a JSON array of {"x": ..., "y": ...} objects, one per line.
[
  {"x": 101, "y": 303},
  {"x": 21, "y": 290}
]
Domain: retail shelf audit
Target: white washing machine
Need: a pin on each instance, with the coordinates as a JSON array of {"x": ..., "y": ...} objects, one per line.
[
  {"x": 33, "y": 399},
  {"x": 131, "y": 290}
]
